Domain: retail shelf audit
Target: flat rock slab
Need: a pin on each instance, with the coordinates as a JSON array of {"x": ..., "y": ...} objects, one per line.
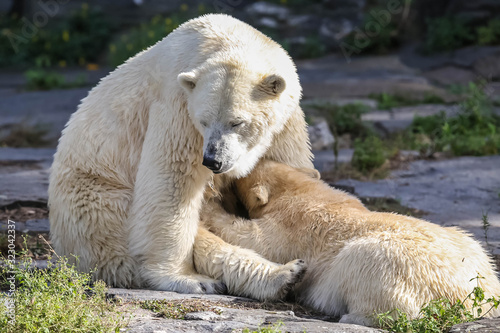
[
  {"x": 24, "y": 174},
  {"x": 480, "y": 326},
  {"x": 454, "y": 192},
  {"x": 228, "y": 319}
]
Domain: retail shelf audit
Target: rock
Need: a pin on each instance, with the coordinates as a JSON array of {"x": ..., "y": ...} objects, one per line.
[
  {"x": 398, "y": 119},
  {"x": 454, "y": 192},
  {"x": 39, "y": 225},
  {"x": 325, "y": 159},
  {"x": 488, "y": 67},
  {"x": 464, "y": 57},
  {"x": 449, "y": 75},
  {"x": 24, "y": 174},
  {"x": 233, "y": 317},
  {"x": 480, "y": 326},
  {"x": 262, "y": 8},
  {"x": 320, "y": 136}
]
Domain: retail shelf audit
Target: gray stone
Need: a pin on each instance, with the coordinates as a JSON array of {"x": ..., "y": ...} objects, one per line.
[
  {"x": 262, "y": 8},
  {"x": 24, "y": 174},
  {"x": 398, "y": 119},
  {"x": 454, "y": 192},
  {"x": 320, "y": 136},
  {"x": 325, "y": 159},
  {"x": 488, "y": 67},
  {"x": 230, "y": 319},
  {"x": 480, "y": 326},
  {"x": 449, "y": 75}
]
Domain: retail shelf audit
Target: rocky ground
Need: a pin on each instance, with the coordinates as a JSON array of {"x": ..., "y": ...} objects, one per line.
[{"x": 448, "y": 191}]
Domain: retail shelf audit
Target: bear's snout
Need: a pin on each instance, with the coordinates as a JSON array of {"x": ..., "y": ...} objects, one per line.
[{"x": 211, "y": 163}]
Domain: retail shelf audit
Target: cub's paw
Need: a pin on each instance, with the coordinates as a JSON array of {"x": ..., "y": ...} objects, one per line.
[{"x": 287, "y": 276}]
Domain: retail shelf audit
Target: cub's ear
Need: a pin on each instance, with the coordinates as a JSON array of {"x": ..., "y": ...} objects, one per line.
[
  {"x": 260, "y": 194},
  {"x": 273, "y": 85},
  {"x": 187, "y": 80},
  {"x": 313, "y": 173}
]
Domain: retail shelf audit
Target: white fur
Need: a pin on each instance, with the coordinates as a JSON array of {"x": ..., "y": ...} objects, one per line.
[
  {"x": 127, "y": 181},
  {"x": 359, "y": 262}
]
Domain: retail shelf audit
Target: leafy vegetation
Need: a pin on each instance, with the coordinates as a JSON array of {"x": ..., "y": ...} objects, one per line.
[
  {"x": 75, "y": 40},
  {"x": 474, "y": 131},
  {"x": 440, "y": 315},
  {"x": 40, "y": 79},
  {"x": 369, "y": 154},
  {"x": 276, "y": 328},
  {"x": 450, "y": 33},
  {"x": 490, "y": 33},
  {"x": 388, "y": 101},
  {"x": 56, "y": 299}
]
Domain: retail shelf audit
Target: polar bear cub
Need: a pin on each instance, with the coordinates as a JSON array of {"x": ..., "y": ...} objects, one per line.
[{"x": 359, "y": 262}]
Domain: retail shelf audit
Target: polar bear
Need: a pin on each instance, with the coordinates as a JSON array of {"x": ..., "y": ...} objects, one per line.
[
  {"x": 359, "y": 262},
  {"x": 130, "y": 170}
]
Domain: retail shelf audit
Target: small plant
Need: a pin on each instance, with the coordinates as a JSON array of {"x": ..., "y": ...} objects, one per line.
[
  {"x": 474, "y": 131},
  {"x": 276, "y": 328},
  {"x": 369, "y": 154},
  {"x": 490, "y": 33},
  {"x": 56, "y": 299},
  {"x": 440, "y": 315},
  {"x": 447, "y": 34},
  {"x": 39, "y": 79}
]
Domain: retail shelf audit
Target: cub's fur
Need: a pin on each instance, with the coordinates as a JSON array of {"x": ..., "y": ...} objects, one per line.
[{"x": 359, "y": 262}]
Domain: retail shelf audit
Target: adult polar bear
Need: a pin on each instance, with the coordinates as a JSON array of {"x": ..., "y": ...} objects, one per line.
[{"x": 128, "y": 176}]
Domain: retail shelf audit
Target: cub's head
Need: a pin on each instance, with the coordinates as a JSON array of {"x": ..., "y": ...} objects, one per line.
[
  {"x": 270, "y": 180},
  {"x": 237, "y": 110}
]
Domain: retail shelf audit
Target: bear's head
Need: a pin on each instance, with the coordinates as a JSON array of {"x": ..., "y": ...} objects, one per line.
[
  {"x": 237, "y": 110},
  {"x": 271, "y": 180}
]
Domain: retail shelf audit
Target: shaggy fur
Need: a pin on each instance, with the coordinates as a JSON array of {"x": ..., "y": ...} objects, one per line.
[
  {"x": 360, "y": 262},
  {"x": 127, "y": 181}
]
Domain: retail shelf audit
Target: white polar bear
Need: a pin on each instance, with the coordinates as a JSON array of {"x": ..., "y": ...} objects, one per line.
[
  {"x": 128, "y": 177},
  {"x": 360, "y": 263}
]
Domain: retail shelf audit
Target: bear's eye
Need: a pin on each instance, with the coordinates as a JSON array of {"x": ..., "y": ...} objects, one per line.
[{"x": 236, "y": 123}]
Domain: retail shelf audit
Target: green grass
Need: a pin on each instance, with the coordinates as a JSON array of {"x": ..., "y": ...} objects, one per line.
[
  {"x": 388, "y": 101},
  {"x": 439, "y": 315},
  {"x": 474, "y": 131},
  {"x": 56, "y": 299},
  {"x": 276, "y": 328},
  {"x": 40, "y": 79}
]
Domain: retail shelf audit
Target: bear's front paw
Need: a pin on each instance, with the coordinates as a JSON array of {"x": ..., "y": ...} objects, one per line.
[{"x": 287, "y": 276}]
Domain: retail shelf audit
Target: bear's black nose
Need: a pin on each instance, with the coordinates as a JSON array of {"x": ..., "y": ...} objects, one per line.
[{"x": 212, "y": 164}]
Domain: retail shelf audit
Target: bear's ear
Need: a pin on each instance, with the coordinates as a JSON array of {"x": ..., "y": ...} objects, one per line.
[
  {"x": 261, "y": 195},
  {"x": 313, "y": 173},
  {"x": 187, "y": 80},
  {"x": 273, "y": 85}
]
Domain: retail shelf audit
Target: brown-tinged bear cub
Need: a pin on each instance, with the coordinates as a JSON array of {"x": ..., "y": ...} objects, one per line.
[{"x": 360, "y": 263}]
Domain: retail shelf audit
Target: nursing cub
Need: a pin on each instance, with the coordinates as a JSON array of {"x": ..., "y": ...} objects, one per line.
[{"x": 359, "y": 262}]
